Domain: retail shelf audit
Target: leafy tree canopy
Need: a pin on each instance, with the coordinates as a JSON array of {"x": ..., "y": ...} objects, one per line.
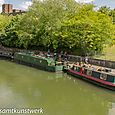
[{"x": 60, "y": 25}]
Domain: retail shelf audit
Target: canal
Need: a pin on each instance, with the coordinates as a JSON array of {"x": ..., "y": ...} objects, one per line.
[{"x": 55, "y": 93}]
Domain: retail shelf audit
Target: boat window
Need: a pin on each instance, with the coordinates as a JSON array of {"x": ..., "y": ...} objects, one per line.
[
  {"x": 89, "y": 72},
  {"x": 96, "y": 74},
  {"x": 77, "y": 68},
  {"x": 110, "y": 78},
  {"x": 103, "y": 76}
]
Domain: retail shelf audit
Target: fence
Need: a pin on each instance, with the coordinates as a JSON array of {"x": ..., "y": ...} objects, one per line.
[{"x": 98, "y": 62}]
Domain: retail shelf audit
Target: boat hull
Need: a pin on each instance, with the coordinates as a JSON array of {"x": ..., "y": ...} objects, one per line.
[
  {"x": 81, "y": 76},
  {"x": 46, "y": 68}
]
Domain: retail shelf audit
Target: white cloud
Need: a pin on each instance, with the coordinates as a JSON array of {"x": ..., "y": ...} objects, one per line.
[
  {"x": 25, "y": 5},
  {"x": 84, "y": 1},
  {"x": 1, "y": 2}
]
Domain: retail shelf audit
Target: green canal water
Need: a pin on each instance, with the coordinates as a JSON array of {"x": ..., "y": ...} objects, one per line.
[{"x": 55, "y": 93}]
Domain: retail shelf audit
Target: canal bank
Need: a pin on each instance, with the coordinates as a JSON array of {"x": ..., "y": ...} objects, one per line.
[{"x": 44, "y": 61}]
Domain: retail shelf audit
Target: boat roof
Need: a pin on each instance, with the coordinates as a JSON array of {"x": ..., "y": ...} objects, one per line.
[
  {"x": 49, "y": 60},
  {"x": 95, "y": 68}
]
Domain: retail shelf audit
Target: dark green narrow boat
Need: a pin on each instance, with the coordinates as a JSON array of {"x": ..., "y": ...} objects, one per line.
[{"x": 38, "y": 61}]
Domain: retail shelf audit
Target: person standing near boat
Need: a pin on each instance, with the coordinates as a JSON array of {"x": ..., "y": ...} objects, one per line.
[
  {"x": 86, "y": 60},
  {"x": 48, "y": 53},
  {"x": 61, "y": 55},
  {"x": 55, "y": 57},
  {"x": 65, "y": 56}
]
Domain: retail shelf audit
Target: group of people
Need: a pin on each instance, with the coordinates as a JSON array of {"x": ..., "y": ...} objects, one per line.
[
  {"x": 82, "y": 64},
  {"x": 62, "y": 56},
  {"x": 93, "y": 67}
]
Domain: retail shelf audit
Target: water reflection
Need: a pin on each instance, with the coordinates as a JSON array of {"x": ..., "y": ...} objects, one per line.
[
  {"x": 112, "y": 109},
  {"x": 56, "y": 93}
]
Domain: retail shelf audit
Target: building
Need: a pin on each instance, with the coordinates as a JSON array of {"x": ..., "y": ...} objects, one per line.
[{"x": 8, "y": 9}]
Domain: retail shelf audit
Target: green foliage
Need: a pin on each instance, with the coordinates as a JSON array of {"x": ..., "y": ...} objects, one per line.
[
  {"x": 46, "y": 17},
  {"x": 108, "y": 11},
  {"x": 87, "y": 32},
  {"x": 112, "y": 14},
  {"x": 4, "y": 21},
  {"x": 10, "y": 36},
  {"x": 105, "y": 10},
  {"x": 60, "y": 25}
]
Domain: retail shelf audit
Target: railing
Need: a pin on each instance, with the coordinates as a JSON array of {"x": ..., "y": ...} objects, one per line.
[{"x": 98, "y": 62}]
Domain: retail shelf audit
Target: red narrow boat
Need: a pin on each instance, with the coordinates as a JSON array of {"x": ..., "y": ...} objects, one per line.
[{"x": 104, "y": 78}]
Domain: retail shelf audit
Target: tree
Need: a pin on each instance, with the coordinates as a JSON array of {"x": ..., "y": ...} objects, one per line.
[
  {"x": 61, "y": 25},
  {"x": 45, "y": 17},
  {"x": 4, "y": 21},
  {"x": 10, "y": 36},
  {"x": 87, "y": 32},
  {"x": 112, "y": 14},
  {"x": 105, "y": 10}
]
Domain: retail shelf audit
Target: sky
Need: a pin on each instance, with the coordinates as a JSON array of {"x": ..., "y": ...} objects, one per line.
[
  {"x": 99, "y": 3},
  {"x": 23, "y": 4},
  {"x": 109, "y": 3},
  {"x": 17, "y": 4}
]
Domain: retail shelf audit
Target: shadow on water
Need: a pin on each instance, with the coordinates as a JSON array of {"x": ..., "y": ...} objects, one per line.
[{"x": 56, "y": 93}]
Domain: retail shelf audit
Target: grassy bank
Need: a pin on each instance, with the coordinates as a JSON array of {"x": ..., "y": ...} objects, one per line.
[{"x": 108, "y": 54}]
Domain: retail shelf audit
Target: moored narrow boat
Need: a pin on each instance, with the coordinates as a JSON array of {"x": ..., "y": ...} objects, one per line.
[
  {"x": 41, "y": 62},
  {"x": 104, "y": 78}
]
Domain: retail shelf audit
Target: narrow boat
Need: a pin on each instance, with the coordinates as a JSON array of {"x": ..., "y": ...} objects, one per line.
[
  {"x": 41, "y": 62},
  {"x": 104, "y": 77}
]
